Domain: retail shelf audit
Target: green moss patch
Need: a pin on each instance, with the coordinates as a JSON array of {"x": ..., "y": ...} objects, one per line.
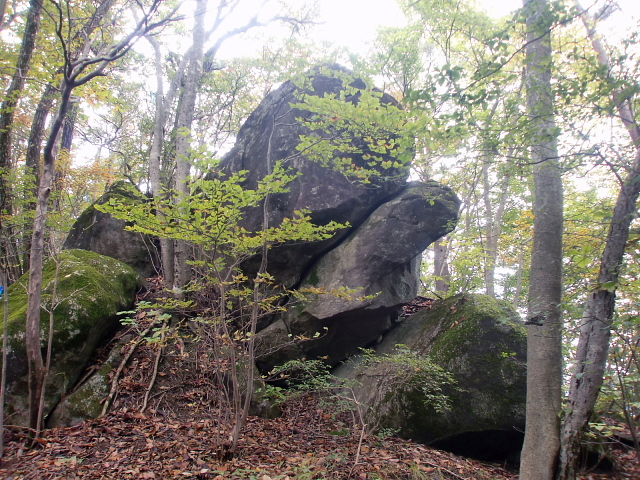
[{"x": 90, "y": 290}]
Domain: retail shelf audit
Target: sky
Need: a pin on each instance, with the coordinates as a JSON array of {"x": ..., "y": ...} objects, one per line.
[{"x": 353, "y": 23}]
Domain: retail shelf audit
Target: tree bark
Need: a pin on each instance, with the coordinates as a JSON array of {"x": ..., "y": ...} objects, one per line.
[
  {"x": 32, "y": 161},
  {"x": 595, "y": 330},
  {"x": 183, "y": 140},
  {"x": 493, "y": 227},
  {"x": 544, "y": 344},
  {"x": 32, "y": 335},
  {"x": 7, "y": 112},
  {"x": 441, "y": 267},
  {"x": 155, "y": 153}
]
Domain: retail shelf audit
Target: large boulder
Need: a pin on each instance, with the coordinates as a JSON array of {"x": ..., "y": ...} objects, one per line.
[
  {"x": 91, "y": 289},
  {"x": 272, "y": 133},
  {"x": 99, "y": 232},
  {"x": 481, "y": 343},
  {"x": 379, "y": 262}
]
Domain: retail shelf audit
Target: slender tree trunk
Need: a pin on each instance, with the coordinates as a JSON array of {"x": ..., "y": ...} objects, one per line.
[
  {"x": 183, "y": 140},
  {"x": 166, "y": 244},
  {"x": 441, "y": 267},
  {"x": 10, "y": 102},
  {"x": 5, "y": 336},
  {"x": 595, "y": 330},
  {"x": 7, "y": 114},
  {"x": 544, "y": 344},
  {"x": 493, "y": 227},
  {"x": 32, "y": 336},
  {"x": 518, "y": 292}
]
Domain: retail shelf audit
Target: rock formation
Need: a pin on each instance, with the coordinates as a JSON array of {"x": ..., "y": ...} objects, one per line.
[
  {"x": 91, "y": 289},
  {"x": 391, "y": 223},
  {"x": 272, "y": 133},
  {"x": 481, "y": 342},
  {"x": 101, "y": 233},
  {"x": 380, "y": 258}
]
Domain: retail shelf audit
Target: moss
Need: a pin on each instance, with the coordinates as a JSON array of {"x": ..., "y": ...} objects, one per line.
[
  {"x": 313, "y": 279},
  {"x": 91, "y": 290},
  {"x": 482, "y": 343}
]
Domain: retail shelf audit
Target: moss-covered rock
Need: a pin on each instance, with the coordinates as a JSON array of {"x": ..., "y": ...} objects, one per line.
[
  {"x": 101, "y": 233},
  {"x": 481, "y": 343},
  {"x": 91, "y": 290},
  {"x": 85, "y": 401}
]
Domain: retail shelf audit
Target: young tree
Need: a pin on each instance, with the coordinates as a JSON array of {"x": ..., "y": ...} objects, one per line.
[
  {"x": 544, "y": 344},
  {"x": 595, "y": 328},
  {"x": 78, "y": 70}
]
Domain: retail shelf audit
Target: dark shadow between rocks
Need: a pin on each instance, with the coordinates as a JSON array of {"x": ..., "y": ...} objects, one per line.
[{"x": 498, "y": 446}]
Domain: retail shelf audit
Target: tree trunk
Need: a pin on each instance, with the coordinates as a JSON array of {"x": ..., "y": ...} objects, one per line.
[
  {"x": 441, "y": 267},
  {"x": 166, "y": 244},
  {"x": 544, "y": 344},
  {"x": 10, "y": 103},
  {"x": 493, "y": 227},
  {"x": 595, "y": 330},
  {"x": 7, "y": 114},
  {"x": 32, "y": 161},
  {"x": 183, "y": 140},
  {"x": 32, "y": 335}
]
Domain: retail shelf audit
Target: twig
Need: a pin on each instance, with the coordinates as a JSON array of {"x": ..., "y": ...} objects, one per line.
[
  {"x": 358, "y": 451},
  {"x": 155, "y": 368},
  {"x": 114, "y": 382}
]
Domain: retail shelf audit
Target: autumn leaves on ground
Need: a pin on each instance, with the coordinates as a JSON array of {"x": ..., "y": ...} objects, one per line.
[{"x": 182, "y": 432}]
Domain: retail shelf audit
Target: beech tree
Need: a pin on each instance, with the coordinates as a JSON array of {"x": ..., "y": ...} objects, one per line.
[
  {"x": 544, "y": 340},
  {"x": 595, "y": 328}
]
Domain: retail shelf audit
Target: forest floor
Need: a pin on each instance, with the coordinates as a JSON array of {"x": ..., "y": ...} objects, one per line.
[
  {"x": 306, "y": 442},
  {"x": 182, "y": 434}
]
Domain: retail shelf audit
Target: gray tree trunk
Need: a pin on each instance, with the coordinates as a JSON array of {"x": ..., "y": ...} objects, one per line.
[
  {"x": 12, "y": 95},
  {"x": 595, "y": 330},
  {"x": 441, "y": 268},
  {"x": 544, "y": 345},
  {"x": 166, "y": 245},
  {"x": 183, "y": 141},
  {"x": 32, "y": 335}
]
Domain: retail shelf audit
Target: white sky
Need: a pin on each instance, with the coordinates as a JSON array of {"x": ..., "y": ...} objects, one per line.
[{"x": 353, "y": 23}]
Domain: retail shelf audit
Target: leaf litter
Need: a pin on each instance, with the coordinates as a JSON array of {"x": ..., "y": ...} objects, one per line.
[{"x": 179, "y": 436}]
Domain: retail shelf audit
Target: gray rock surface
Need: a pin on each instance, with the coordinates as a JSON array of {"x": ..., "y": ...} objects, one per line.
[
  {"x": 481, "y": 342},
  {"x": 272, "y": 133},
  {"x": 381, "y": 257},
  {"x": 101, "y": 233}
]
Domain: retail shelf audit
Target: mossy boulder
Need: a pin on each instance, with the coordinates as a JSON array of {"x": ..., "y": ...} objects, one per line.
[
  {"x": 91, "y": 290},
  {"x": 85, "y": 401},
  {"x": 99, "y": 232},
  {"x": 481, "y": 343}
]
